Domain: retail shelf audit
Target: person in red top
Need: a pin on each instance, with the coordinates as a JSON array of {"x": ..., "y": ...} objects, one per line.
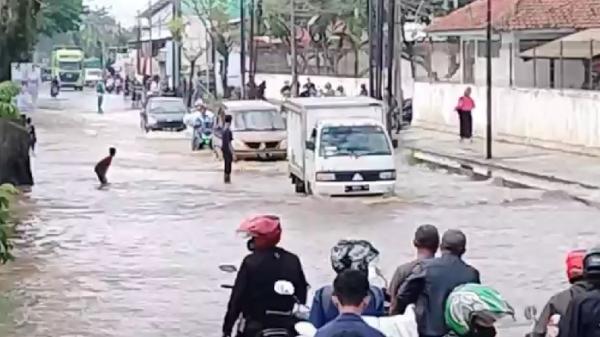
[
  {"x": 103, "y": 165},
  {"x": 464, "y": 107}
]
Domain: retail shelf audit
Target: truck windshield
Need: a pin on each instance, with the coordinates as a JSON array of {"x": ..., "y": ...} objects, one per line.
[
  {"x": 258, "y": 120},
  {"x": 69, "y": 66},
  {"x": 359, "y": 140}
]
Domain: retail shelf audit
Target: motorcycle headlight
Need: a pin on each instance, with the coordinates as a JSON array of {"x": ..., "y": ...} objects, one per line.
[
  {"x": 387, "y": 175},
  {"x": 325, "y": 176},
  {"x": 152, "y": 120}
]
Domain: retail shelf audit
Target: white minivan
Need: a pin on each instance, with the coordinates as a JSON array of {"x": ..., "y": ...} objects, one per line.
[{"x": 339, "y": 146}]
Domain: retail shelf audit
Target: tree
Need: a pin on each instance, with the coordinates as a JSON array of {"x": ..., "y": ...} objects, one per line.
[
  {"x": 192, "y": 50},
  {"x": 215, "y": 19},
  {"x": 7, "y": 194},
  {"x": 21, "y": 22}
]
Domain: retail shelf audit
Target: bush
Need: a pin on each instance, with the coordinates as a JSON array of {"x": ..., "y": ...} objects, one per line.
[
  {"x": 8, "y": 90},
  {"x": 7, "y": 194}
]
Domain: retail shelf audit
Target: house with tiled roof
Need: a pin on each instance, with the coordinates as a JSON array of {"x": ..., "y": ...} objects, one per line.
[{"x": 536, "y": 43}]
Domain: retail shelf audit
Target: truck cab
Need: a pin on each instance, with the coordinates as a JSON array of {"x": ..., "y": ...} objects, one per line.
[{"x": 339, "y": 146}]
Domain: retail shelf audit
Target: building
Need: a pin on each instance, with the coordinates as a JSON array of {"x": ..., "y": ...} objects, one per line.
[{"x": 526, "y": 50}]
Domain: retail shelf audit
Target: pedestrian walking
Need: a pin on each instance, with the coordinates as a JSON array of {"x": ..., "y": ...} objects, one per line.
[
  {"x": 464, "y": 108},
  {"x": 227, "y": 148},
  {"x": 32, "y": 135},
  {"x": 102, "y": 167},
  {"x": 100, "y": 90},
  {"x": 363, "y": 90}
]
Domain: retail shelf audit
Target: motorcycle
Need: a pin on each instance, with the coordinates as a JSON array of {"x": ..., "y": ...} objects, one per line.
[
  {"x": 283, "y": 288},
  {"x": 202, "y": 139}
]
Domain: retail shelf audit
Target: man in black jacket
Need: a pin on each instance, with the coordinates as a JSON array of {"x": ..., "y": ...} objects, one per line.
[
  {"x": 430, "y": 286},
  {"x": 557, "y": 305},
  {"x": 583, "y": 313},
  {"x": 253, "y": 293}
]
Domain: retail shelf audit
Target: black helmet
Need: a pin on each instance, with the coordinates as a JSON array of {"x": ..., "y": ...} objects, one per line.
[{"x": 591, "y": 263}]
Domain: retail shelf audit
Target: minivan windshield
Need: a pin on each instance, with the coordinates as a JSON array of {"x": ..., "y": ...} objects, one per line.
[
  {"x": 355, "y": 140},
  {"x": 158, "y": 106},
  {"x": 258, "y": 120}
]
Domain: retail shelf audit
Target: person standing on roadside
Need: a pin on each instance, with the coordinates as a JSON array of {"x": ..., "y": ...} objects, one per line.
[
  {"x": 465, "y": 106},
  {"x": 102, "y": 167},
  {"x": 426, "y": 241},
  {"x": 227, "y": 149},
  {"x": 32, "y": 135},
  {"x": 429, "y": 288},
  {"x": 100, "y": 90}
]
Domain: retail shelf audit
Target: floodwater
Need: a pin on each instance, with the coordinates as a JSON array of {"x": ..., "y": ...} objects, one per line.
[{"x": 140, "y": 259}]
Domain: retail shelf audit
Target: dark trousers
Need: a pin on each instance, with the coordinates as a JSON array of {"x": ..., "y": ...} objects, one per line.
[
  {"x": 466, "y": 124},
  {"x": 101, "y": 177},
  {"x": 228, "y": 160},
  {"x": 100, "y": 100}
]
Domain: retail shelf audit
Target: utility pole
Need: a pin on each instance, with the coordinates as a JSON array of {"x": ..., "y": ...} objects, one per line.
[
  {"x": 251, "y": 70},
  {"x": 293, "y": 48},
  {"x": 138, "y": 45},
  {"x": 390, "y": 60},
  {"x": 399, "y": 49},
  {"x": 372, "y": 47},
  {"x": 379, "y": 62},
  {"x": 150, "y": 35},
  {"x": 242, "y": 49},
  {"x": 489, "y": 81}
]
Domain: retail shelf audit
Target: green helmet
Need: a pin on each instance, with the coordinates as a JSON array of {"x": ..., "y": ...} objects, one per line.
[{"x": 471, "y": 300}]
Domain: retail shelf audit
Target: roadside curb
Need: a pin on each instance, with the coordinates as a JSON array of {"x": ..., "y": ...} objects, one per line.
[{"x": 588, "y": 194}]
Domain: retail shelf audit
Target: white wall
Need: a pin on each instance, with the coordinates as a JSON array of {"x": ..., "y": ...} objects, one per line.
[
  {"x": 550, "y": 117},
  {"x": 351, "y": 85}
]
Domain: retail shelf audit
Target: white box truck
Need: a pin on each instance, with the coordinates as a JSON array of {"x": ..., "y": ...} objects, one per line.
[{"x": 339, "y": 146}]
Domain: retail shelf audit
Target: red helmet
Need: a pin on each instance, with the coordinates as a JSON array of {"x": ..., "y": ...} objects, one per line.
[
  {"x": 575, "y": 264},
  {"x": 265, "y": 230}
]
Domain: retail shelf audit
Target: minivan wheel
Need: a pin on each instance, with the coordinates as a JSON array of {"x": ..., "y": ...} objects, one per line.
[{"x": 299, "y": 185}]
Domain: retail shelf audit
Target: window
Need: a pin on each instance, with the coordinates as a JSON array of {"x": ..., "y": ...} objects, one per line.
[{"x": 482, "y": 49}]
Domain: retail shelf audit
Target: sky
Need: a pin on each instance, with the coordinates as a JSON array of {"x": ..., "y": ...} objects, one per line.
[{"x": 123, "y": 10}]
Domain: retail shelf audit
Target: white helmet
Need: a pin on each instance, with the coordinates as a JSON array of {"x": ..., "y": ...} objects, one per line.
[{"x": 199, "y": 103}]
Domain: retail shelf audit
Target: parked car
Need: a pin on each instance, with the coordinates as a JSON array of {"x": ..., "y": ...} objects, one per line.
[
  {"x": 258, "y": 127},
  {"x": 163, "y": 113}
]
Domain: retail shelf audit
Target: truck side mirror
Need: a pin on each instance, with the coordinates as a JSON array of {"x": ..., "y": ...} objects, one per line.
[
  {"x": 310, "y": 145},
  {"x": 395, "y": 143}
]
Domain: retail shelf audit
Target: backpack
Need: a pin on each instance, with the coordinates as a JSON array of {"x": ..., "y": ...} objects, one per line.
[{"x": 583, "y": 316}]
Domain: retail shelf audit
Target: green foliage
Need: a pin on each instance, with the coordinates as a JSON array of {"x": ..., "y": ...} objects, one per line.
[
  {"x": 60, "y": 16},
  {"x": 7, "y": 196},
  {"x": 8, "y": 90}
]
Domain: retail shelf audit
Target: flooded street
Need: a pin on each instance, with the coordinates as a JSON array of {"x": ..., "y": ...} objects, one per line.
[{"x": 140, "y": 259}]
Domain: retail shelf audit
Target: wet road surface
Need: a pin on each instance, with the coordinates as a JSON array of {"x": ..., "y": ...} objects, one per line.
[{"x": 140, "y": 259}]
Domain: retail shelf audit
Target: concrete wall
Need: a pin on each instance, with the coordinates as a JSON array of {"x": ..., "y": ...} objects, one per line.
[
  {"x": 15, "y": 167},
  {"x": 351, "y": 84},
  {"x": 553, "y": 118}
]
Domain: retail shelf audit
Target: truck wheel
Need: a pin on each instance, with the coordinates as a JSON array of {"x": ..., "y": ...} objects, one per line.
[{"x": 299, "y": 185}]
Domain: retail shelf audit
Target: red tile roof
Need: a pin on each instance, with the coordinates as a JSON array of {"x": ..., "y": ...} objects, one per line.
[{"x": 522, "y": 14}]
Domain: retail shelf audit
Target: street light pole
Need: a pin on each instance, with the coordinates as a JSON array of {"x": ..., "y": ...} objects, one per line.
[
  {"x": 242, "y": 50},
  {"x": 293, "y": 48},
  {"x": 489, "y": 81}
]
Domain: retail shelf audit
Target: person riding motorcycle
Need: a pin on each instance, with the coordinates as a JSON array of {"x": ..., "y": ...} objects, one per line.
[
  {"x": 201, "y": 122},
  {"x": 582, "y": 318},
  {"x": 253, "y": 293},
  {"x": 54, "y": 86},
  {"x": 347, "y": 254},
  {"x": 472, "y": 309},
  {"x": 557, "y": 305}
]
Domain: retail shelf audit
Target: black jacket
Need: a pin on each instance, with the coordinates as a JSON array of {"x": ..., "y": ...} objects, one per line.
[
  {"x": 557, "y": 305},
  {"x": 582, "y": 317},
  {"x": 429, "y": 288},
  {"x": 253, "y": 293}
]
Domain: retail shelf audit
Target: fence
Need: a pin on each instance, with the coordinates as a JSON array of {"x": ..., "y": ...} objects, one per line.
[
  {"x": 527, "y": 63},
  {"x": 343, "y": 62}
]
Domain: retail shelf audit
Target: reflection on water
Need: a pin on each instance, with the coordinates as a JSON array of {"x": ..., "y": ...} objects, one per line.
[{"x": 140, "y": 259}]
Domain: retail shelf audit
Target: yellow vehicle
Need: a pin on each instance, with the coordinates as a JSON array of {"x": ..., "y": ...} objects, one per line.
[{"x": 67, "y": 66}]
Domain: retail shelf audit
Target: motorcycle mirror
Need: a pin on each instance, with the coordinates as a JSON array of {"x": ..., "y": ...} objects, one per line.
[
  {"x": 530, "y": 312},
  {"x": 285, "y": 288},
  {"x": 228, "y": 268}
]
